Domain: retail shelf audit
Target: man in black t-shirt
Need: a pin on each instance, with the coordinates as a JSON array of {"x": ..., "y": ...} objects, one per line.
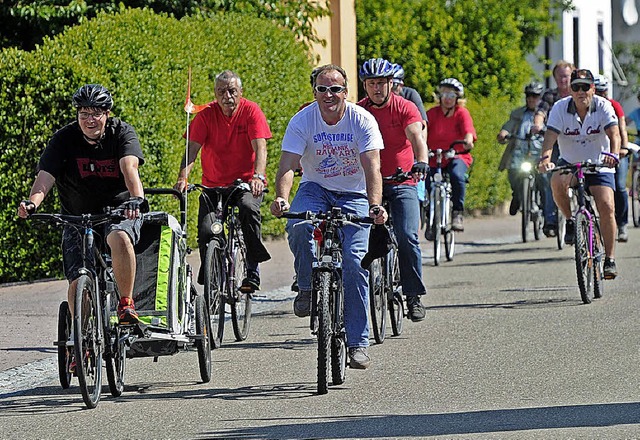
[{"x": 93, "y": 162}]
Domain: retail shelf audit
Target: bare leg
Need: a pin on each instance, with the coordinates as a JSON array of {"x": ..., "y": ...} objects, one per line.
[
  {"x": 124, "y": 261},
  {"x": 605, "y": 203},
  {"x": 559, "y": 186}
]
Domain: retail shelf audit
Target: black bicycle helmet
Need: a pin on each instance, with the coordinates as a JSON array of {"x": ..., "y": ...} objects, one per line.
[
  {"x": 398, "y": 74},
  {"x": 376, "y": 68},
  {"x": 534, "y": 88},
  {"x": 454, "y": 84},
  {"x": 93, "y": 95}
]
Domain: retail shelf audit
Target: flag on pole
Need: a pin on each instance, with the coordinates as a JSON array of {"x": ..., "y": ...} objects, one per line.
[{"x": 189, "y": 106}]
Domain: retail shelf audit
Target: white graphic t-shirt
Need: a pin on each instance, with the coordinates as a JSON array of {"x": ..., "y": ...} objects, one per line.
[
  {"x": 331, "y": 153},
  {"x": 579, "y": 141}
]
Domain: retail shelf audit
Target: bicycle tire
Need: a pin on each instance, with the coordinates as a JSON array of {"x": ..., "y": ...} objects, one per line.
[
  {"x": 241, "y": 303},
  {"x": 338, "y": 359},
  {"x": 437, "y": 227},
  {"x": 583, "y": 258},
  {"x": 214, "y": 288},
  {"x": 64, "y": 352},
  {"x": 377, "y": 300},
  {"x": 115, "y": 363},
  {"x": 635, "y": 197},
  {"x": 449, "y": 233},
  {"x": 203, "y": 343},
  {"x": 115, "y": 348},
  {"x": 395, "y": 304},
  {"x": 536, "y": 212},
  {"x": 561, "y": 229},
  {"x": 325, "y": 325},
  {"x": 525, "y": 205},
  {"x": 598, "y": 261},
  {"x": 87, "y": 341}
]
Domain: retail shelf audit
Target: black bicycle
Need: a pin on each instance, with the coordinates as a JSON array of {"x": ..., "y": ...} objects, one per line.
[
  {"x": 385, "y": 289},
  {"x": 327, "y": 292},
  {"x": 225, "y": 263},
  {"x": 95, "y": 334}
]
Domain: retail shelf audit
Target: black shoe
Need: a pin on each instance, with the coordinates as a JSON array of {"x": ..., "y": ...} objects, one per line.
[
  {"x": 570, "y": 233},
  {"x": 416, "y": 311},
  {"x": 514, "y": 206},
  {"x": 428, "y": 233},
  {"x": 251, "y": 283},
  {"x": 302, "y": 304},
  {"x": 610, "y": 270},
  {"x": 550, "y": 230}
]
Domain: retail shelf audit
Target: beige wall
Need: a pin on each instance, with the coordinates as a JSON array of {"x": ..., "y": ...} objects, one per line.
[{"x": 339, "y": 31}]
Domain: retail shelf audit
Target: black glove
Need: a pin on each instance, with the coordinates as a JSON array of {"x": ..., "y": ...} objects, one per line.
[
  {"x": 420, "y": 167},
  {"x": 139, "y": 203}
]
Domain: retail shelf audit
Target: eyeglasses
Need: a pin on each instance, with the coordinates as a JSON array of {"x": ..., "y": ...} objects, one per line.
[
  {"x": 230, "y": 91},
  {"x": 583, "y": 87},
  {"x": 332, "y": 89},
  {"x": 449, "y": 95},
  {"x": 87, "y": 115}
]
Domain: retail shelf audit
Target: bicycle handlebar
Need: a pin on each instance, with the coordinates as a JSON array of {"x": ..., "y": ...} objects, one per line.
[
  {"x": 328, "y": 216},
  {"x": 115, "y": 214},
  {"x": 399, "y": 176}
]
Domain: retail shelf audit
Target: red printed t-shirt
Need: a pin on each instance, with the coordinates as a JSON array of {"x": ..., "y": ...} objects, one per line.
[
  {"x": 443, "y": 131},
  {"x": 392, "y": 120},
  {"x": 227, "y": 153}
]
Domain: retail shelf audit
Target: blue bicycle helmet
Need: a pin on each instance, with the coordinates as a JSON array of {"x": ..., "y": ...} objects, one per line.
[
  {"x": 398, "y": 74},
  {"x": 93, "y": 95},
  {"x": 376, "y": 68},
  {"x": 454, "y": 84}
]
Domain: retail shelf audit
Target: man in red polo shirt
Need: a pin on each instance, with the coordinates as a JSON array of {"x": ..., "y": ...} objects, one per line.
[{"x": 232, "y": 133}]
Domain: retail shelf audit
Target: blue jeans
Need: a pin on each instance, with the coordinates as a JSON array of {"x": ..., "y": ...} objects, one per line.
[
  {"x": 621, "y": 196},
  {"x": 405, "y": 212},
  {"x": 457, "y": 170},
  {"x": 355, "y": 239}
]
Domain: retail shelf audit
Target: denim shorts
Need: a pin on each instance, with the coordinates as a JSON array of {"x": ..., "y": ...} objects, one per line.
[{"x": 72, "y": 244}]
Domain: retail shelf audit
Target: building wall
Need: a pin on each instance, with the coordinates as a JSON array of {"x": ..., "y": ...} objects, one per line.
[{"x": 339, "y": 31}]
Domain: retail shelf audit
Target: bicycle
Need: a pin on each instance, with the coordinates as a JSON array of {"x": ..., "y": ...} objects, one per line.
[
  {"x": 440, "y": 213},
  {"x": 225, "y": 263},
  {"x": 530, "y": 195},
  {"x": 327, "y": 293},
  {"x": 95, "y": 301},
  {"x": 588, "y": 242},
  {"x": 385, "y": 289},
  {"x": 97, "y": 334},
  {"x": 635, "y": 189}
]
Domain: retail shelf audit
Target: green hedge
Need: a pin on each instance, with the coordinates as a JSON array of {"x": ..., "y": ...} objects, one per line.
[{"x": 143, "y": 59}]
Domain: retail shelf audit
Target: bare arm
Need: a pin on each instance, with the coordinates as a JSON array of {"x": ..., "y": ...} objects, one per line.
[
  {"x": 284, "y": 181},
  {"x": 550, "y": 138},
  {"x": 40, "y": 188},
  {"x": 194, "y": 148},
  {"x": 260, "y": 165},
  {"x": 418, "y": 143},
  {"x": 371, "y": 164},
  {"x": 624, "y": 137},
  {"x": 129, "y": 168}
]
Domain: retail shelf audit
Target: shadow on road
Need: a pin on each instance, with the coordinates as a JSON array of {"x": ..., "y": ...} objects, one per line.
[{"x": 422, "y": 425}]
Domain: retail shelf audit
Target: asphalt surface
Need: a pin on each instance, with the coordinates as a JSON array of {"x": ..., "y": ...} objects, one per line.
[{"x": 508, "y": 351}]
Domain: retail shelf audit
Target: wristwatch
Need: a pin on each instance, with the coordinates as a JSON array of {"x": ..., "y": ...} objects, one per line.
[{"x": 261, "y": 177}]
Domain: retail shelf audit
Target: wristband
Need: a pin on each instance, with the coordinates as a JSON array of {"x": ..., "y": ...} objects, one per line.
[{"x": 261, "y": 177}]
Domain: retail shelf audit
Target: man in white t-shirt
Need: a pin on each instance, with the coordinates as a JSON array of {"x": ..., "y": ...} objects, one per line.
[
  {"x": 585, "y": 126},
  {"x": 338, "y": 145}
]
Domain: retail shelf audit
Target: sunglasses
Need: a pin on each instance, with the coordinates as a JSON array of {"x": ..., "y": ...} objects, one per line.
[
  {"x": 583, "y": 87},
  {"x": 332, "y": 89},
  {"x": 449, "y": 95}
]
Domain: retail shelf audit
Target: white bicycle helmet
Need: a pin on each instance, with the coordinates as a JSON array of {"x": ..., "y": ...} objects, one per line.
[{"x": 454, "y": 84}]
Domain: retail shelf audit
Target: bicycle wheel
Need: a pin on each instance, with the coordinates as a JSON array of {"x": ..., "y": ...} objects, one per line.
[
  {"x": 87, "y": 341},
  {"x": 584, "y": 262},
  {"x": 561, "y": 228},
  {"x": 115, "y": 347},
  {"x": 338, "y": 359},
  {"x": 449, "y": 233},
  {"x": 598, "y": 261},
  {"x": 525, "y": 205},
  {"x": 214, "y": 288},
  {"x": 115, "y": 360},
  {"x": 240, "y": 302},
  {"x": 377, "y": 300},
  {"x": 64, "y": 352},
  {"x": 537, "y": 215},
  {"x": 395, "y": 304},
  {"x": 437, "y": 227},
  {"x": 203, "y": 343},
  {"x": 323, "y": 287},
  {"x": 635, "y": 197}
]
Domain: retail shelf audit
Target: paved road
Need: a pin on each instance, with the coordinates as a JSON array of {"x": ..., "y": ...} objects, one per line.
[{"x": 507, "y": 351}]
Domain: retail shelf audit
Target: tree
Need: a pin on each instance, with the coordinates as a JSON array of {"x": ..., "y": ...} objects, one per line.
[{"x": 25, "y": 24}]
